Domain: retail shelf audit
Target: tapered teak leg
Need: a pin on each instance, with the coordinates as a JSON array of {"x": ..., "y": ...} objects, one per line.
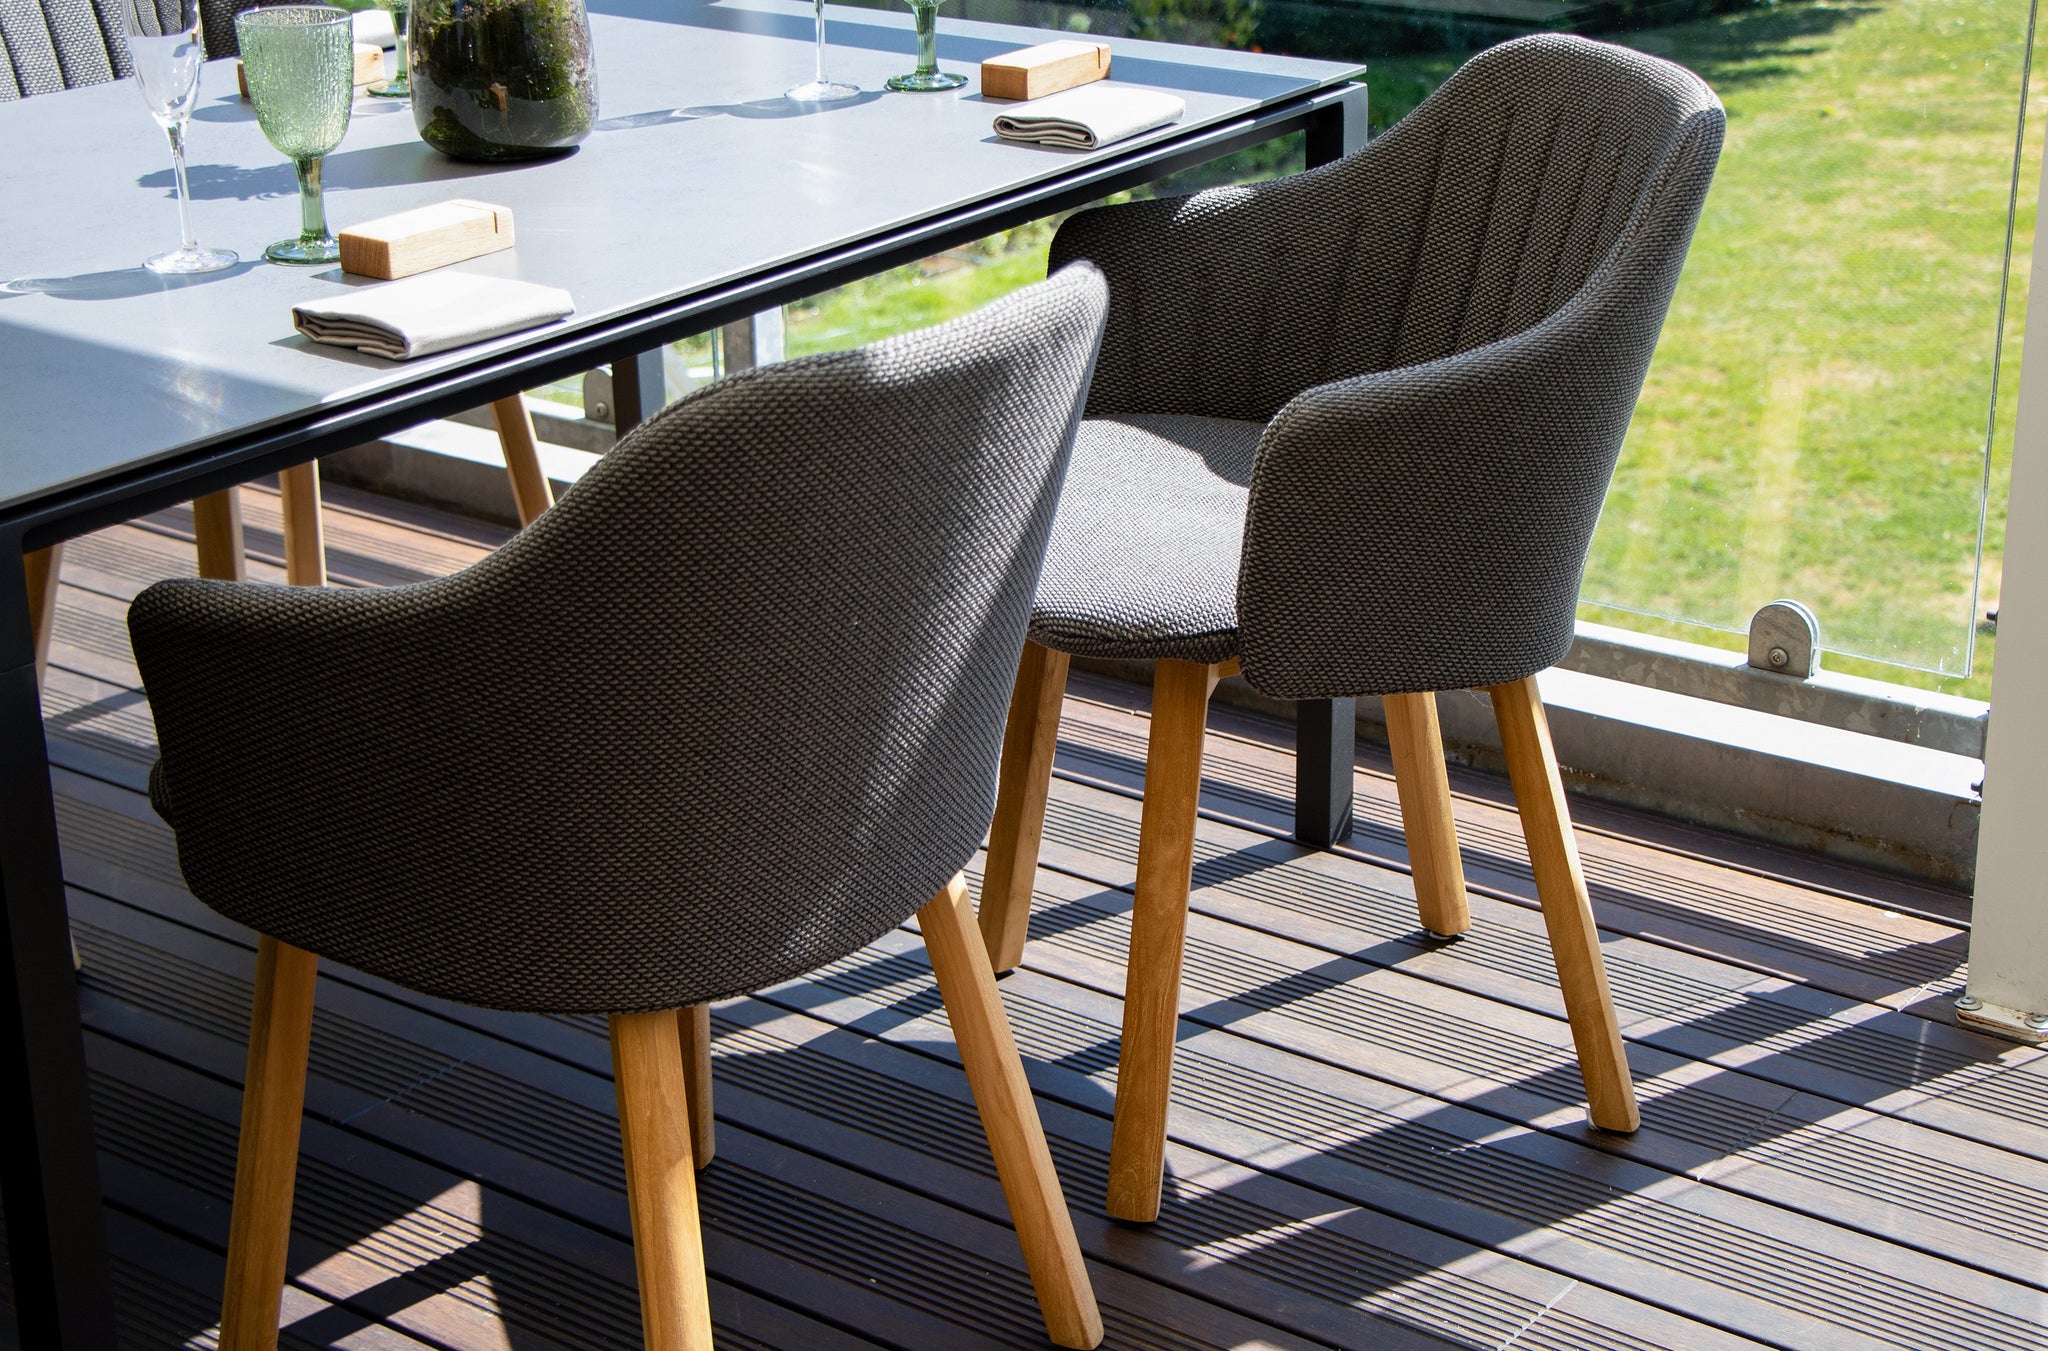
[
  {"x": 1424, "y": 788},
  {"x": 694, "y": 1026},
  {"x": 1008, "y": 1114},
  {"x": 1159, "y": 919},
  {"x": 267, "y": 1163},
  {"x": 305, "y": 547},
  {"x": 531, "y": 491},
  {"x": 1567, "y": 911},
  {"x": 217, "y": 533},
  {"x": 661, "y": 1183},
  {"x": 43, "y": 566},
  {"x": 1028, "y": 745}
]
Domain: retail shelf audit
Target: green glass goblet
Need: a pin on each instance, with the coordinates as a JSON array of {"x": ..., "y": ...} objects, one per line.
[
  {"x": 927, "y": 78},
  {"x": 300, "y": 63},
  {"x": 400, "y": 84}
]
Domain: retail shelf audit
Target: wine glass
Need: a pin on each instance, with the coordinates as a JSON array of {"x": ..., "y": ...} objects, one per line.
[
  {"x": 927, "y": 78},
  {"x": 164, "y": 47},
  {"x": 822, "y": 90},
  {"x": 300, "y": 63},
  {"x": 400, "y": 84}
]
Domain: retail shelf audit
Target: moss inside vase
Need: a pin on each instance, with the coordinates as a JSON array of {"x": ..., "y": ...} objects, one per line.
[{"x": 502, "y": 79}]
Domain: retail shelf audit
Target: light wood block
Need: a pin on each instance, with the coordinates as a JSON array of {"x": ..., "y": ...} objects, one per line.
[
  {"x": 1034, "y": 72},
  {"x": 425, "y": 238}
]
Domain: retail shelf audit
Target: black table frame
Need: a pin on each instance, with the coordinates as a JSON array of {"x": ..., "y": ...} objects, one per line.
[{"x": 49, "y": 1174}]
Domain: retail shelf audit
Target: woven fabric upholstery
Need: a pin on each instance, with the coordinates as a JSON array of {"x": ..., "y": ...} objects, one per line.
[
  {"x": 48, "y": 45},
  {"x": 1470, "y": 304},
  {"x": 1143, "y": 561},
  {"x": 217, "y": 24},
  {"x": 729, "y": 711}
]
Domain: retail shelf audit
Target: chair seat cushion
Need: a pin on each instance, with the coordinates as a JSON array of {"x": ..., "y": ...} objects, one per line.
[{"x": 1143, "y": 561}]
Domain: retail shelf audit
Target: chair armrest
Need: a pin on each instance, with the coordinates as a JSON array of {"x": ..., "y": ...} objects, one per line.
[{"x": 1426, "y": 528}]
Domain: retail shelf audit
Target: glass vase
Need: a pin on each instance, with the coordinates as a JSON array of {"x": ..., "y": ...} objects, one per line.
[{"x": 501, "y": 79}]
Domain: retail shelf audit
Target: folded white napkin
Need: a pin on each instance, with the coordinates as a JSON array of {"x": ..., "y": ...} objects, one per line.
[
  {"x": 1091, "y": 116},
  {"x": 374, "y": 25},
  {"x": 430, "y": 313}
]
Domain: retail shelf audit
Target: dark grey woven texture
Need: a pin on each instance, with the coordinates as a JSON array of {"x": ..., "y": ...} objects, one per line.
[
  {"x": 217, "y": 22},
  {"x": 729, "y": 711},
  {"x": 1470, "y": 304},
  {"x": 48, "y": 45}
]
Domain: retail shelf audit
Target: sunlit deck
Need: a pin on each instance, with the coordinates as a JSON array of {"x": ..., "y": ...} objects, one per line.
[{"x": 1377, "y": 1139}]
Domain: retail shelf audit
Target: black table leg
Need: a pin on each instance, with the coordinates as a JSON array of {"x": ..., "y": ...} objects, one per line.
[
  {"x": 49, "y": 1174},
  {"x": 1324, "y": 731},
  {"x": 639, "y": 389}
]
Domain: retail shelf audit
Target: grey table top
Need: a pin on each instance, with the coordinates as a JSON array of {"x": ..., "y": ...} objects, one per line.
[{"x": 698, "y": 174}]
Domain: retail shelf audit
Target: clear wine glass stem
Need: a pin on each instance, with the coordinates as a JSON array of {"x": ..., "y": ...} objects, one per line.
[
  {"x": 176, "y": 131},
  {"x": 821, "y": 40},
  {"x": 312, "y": 208}
]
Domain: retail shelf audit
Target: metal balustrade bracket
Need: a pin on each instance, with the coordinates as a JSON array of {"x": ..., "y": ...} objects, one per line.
[
  {"x": 1997, "y": 1020},
  {"x": 1784, "y": 639}
]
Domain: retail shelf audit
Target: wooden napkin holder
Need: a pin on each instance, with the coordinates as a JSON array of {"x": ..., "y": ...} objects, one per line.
[
  {"x": 369, "y": 67},
  {"x": 425, "y": 238},
  {"x": 1034, "y": 72}
]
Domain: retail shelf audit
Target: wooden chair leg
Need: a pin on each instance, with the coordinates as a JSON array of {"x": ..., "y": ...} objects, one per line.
[
  {"x": 1424, "y": 788},
  {"x": 1567, "y": 910},
  {"x": 43, "y": 566},
  {"x": 267, "y": 1160},
  {"x": 1159, "y": 917},
  {"x": 305, "y": 547},
  {"x": 531, "y": 491},
  {"x": 1002, "y": 1094},
  {"x": 217, "y": 531},
  {"x": 661, "y": 1184},
  {"x": 694, "y": 1026},
  {"x": 1013, "y": 838}
]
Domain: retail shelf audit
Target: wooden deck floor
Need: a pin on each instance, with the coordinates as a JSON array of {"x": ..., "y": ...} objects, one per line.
[{"x": 1377, "y": 1143}]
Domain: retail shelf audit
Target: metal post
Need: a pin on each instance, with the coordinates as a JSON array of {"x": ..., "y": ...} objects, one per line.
[
  {"x": 639, "y": 389},
  {"x": 49, "y": 1173},
  {"x": 2009, "y": 922},
  {"x": 1326, "y": 730},
  {"x": 753, "y": 341}
]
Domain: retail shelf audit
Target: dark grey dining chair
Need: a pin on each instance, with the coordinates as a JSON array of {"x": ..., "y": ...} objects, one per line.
[
  {"x": 1350, "y": 434},
  {"x": 45, "y": 47},
  {"x": 561, "y": 779}
]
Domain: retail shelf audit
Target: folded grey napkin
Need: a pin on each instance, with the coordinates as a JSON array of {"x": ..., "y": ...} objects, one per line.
[
  {"x": 1091, "y": 116},
  {"x": 430, "y": 313}
]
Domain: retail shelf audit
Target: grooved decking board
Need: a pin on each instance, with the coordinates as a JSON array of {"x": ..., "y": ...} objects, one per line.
[{"x": 1799, "y": 1036}]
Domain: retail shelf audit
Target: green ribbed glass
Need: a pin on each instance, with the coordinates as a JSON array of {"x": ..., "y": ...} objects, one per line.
[
  {"x": 927, "y": 78},
  {"x": 300, "y": 64},
  {"x": 399, "y": 85}
]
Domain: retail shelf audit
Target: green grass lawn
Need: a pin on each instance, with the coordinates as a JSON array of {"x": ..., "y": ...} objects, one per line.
[{"x": 1814, "y": 423}]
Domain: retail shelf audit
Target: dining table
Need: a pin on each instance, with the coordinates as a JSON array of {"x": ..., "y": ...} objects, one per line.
[{"x": 701, "y": 197}]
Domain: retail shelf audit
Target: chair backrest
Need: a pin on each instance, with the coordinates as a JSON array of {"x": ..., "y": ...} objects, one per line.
[
  {"x": 217, "y": 23},
  {"x": 48, "y": 45},
  {"x": 730, "y": 710},
  {"x": 1475, "y": 216}
]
